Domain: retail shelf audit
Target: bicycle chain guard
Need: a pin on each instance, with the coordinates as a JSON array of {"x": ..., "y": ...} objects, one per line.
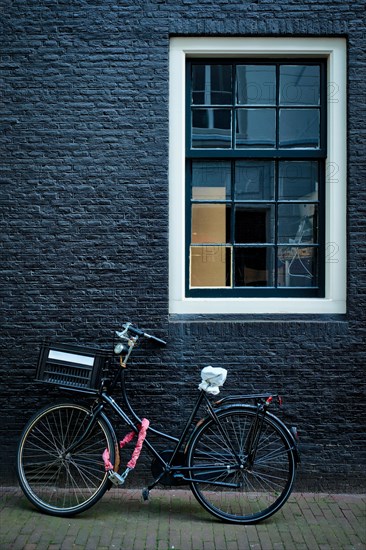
[{"x": 169, "y": 478}]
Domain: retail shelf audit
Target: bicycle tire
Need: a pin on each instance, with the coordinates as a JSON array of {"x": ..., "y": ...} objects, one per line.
[
  {"x": 59, "y": 484},
  {"x": 251, "y": 495}
]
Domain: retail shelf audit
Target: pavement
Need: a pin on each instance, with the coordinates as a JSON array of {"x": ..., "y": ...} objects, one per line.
[{"x": 173, "y": 520}]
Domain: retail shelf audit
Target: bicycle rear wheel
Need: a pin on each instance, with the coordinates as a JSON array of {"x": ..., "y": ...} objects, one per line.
[
  {"x": 56, "y": 481},
  {"x": 222, "y": 480}
]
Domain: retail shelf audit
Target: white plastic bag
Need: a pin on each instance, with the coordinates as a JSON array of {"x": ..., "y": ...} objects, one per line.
[{"x": 212, "y": 379}]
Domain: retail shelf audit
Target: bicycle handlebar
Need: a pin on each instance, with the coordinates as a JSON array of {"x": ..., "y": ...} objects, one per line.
[
  {"x": 158, "y": 340},
  {"x": 138, "y": 332}
]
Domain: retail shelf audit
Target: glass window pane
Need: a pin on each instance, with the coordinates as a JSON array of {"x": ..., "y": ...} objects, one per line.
[
  {"x": 297, "y": 223},
  {"x": 299, "y": 128},
  {"x": 211, "y": 180},
  {"x": 211, "y": 128},
  {"x": 255, "y": 128},
  {"x": 254, "y": 180},
  {"x": 210, "y": 223},
  {"x": 299, "y": 85},
  {"x": 256, "y": 85},
  {"x": 298, "y": 180},
  {"x": 254, "y": 267},
  {"x": 210, "y": 266},
  {"x": 211, "y": 85},
  {"x": 297, "y": 267},
  {"x": 254, "y": 223}
]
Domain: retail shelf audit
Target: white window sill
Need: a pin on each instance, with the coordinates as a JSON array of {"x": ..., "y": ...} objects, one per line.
[{"x": 238, "y": 306}]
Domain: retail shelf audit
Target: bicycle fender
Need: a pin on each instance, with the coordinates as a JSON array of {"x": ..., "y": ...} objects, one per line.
[{"x": 289, "y": 433}]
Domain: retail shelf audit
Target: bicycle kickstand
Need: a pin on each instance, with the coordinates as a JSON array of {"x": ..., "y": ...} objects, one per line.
[{"x": 146, "y": 490}]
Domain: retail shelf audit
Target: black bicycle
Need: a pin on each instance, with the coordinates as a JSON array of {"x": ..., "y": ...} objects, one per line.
[{"x": 239, "y": 460}]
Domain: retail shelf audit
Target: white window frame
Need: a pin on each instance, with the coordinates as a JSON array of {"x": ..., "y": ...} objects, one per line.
[{"x": 335, "y": 51}]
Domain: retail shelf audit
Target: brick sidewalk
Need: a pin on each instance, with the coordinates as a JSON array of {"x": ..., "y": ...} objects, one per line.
[{"x": 173, "y": 519}]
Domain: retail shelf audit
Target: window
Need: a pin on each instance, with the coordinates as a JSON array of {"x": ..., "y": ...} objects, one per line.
[
  {"x": 252, "y": 228},
  {"x": 256, "y": 145}
]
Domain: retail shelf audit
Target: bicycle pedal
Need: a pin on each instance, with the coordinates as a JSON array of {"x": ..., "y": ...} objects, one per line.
[{"x": 145, "y": 494}]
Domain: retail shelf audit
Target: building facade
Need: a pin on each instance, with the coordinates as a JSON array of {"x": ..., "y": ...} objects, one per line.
[{"x": 197, "y": 168}]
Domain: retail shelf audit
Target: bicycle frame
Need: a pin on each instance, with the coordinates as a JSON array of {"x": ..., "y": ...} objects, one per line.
[
  {"x": 169, "y": 467},
  {"x": 178, "y": 471}
]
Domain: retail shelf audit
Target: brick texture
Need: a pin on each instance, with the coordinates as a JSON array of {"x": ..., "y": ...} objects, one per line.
[
  {"x": 84, "y": 220},
  {"x": 175, "y": 520}
]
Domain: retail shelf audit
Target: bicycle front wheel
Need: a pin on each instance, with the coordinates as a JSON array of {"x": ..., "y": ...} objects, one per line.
[
  {"x": 57, "y": 481},
  {"x": 223, "y": 479}
]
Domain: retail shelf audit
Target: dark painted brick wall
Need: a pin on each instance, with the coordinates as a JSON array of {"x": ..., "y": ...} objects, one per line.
[{"x": 84, "y": 219}]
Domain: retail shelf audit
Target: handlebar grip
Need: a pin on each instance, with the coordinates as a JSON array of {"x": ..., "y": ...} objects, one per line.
[{"x": 134, "y": 330}]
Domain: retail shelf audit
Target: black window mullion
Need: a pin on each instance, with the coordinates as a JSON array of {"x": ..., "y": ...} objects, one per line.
[
  {"x": 233, "y": 106},
  {"x": 276, "y": 183},
  {"x": 277, "y": 105},
  {"x": 188, "y": 222},
  {"x": 323, "y": 108},
  {"x": 189, "y": 108},
  {"x": 232, "y": 236},
  {"x": 321, "y": 227},
  {"x": 276, "y": 174},
  {"x": 233, "y": 142}
]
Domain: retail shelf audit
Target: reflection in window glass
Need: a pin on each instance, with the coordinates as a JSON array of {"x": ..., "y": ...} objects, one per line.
[
  {"x": 211, "y": 128},
  {"x": 255, "y": 128},
  {"x": 254, "y": 180},
  {"x": 297, "y": 223},
  {"x": 297, "y": 267},
  {"x": 254, "y": 266},
  {"x": 211, "y": 84},
  {"x": 299, "y": 85},
  {"x": 256, "y": 85},
  {"x": 254, "y": 223},
  {"x": 298, "y": 180},
  {"x": 210, "y": 266},
  {"x": 299, "y": 128},
  {"x": 211, "y": 180}
]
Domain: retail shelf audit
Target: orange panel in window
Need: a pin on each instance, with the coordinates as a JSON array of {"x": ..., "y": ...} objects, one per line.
[
  {"x": 210, "y": 266},
  {"x": 209, "y": 223}
]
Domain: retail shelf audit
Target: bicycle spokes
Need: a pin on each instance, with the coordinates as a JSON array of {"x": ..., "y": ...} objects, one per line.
[
  {"x": 60, "y": 463},
  {"x": 247, "y": 489}
]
